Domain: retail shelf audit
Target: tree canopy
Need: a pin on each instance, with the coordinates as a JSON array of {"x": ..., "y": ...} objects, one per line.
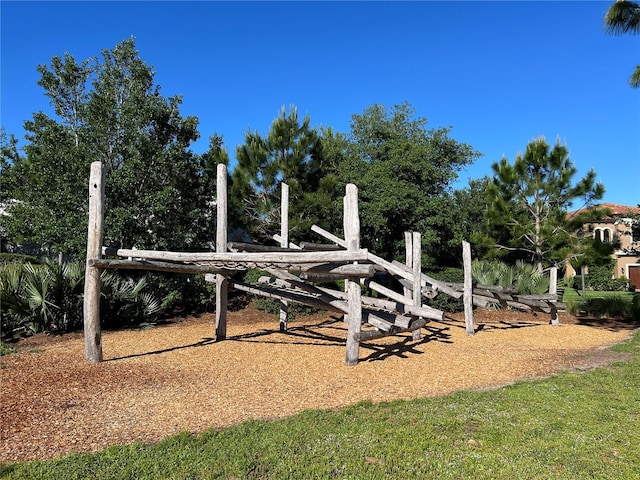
[
  {"x": 530, "y": 198},
  {"x": 404, "y": 173},
  {"x": 289, "y": 153},
  {"x": 110, "y": 110}
]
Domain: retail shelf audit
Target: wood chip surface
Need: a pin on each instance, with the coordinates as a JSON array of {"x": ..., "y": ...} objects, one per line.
[{"x": 173, "y": 378}]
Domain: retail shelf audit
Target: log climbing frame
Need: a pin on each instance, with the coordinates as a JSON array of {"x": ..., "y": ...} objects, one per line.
[{"x": 295, "y": 272}]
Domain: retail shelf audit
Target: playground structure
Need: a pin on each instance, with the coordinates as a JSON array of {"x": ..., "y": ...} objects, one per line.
[{"x": 295, "y": 272}]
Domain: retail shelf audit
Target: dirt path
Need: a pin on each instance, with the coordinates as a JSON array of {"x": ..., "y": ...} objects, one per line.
[{"x": 161, "y": 381}]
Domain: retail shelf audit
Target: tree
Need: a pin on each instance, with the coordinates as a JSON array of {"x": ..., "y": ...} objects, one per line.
[
  {"x": 531, "y": 196},
  {"x": 155, "y": 188},
  {"x": 289, "y": 153},
  {"x": 624, "y": 17},
  {"x": 404, "y": 173}
]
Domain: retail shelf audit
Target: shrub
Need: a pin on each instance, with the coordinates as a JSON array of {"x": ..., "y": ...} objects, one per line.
[
  {"x": 49, "y": 298},
  {"x": 614, "y": 306},
  {"x": 8, "y": 258},
  {"x": 182, "y": 293},
  {"x": 635, "y": 307},
  {"x": 523, "y": 277}
]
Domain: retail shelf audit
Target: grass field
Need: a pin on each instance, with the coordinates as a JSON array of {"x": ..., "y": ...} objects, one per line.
[{"x": 575, "y": 425}]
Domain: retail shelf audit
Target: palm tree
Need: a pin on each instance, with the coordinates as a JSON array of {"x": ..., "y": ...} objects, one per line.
[{"x": 624, "y": 17}]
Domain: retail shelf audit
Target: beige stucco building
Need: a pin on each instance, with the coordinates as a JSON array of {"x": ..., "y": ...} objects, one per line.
[{"x": 618, "y": 228}]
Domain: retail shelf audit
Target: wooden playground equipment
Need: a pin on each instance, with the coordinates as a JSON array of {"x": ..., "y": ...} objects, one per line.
[{"x": 295, "y": 272}]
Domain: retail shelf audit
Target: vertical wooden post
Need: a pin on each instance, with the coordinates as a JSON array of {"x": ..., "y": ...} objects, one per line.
[
  {"x": 553, "y": 289},
  {"x": 468, "y": 287},
  {"x": 417, "y": 273},
  {"x": 284, "y": 242},
  {"x": 553, "y": 280},
  {"x": 354, "y": 294},
  {"x": 91, "y": 306},
  {"x": 408, "y": 259},
  {"x": 222, "y": 284}
]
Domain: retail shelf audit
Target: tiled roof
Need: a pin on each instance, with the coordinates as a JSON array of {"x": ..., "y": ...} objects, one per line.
[{"x": 615, "y": 209}]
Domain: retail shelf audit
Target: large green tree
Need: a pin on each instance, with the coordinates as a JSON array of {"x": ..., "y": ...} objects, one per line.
[
  {"x": 289, "y": 153},
  {"x": 110, "y": 109},
  {"x": 624, "y": 17},
  {"x": 404, "y": 172},
  {"x": 530, "y": 199}
]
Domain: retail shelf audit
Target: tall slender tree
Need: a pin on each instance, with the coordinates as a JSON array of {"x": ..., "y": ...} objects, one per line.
[
  {"x": 531, "y": 197},
  {"x": 289, "y": 153}
]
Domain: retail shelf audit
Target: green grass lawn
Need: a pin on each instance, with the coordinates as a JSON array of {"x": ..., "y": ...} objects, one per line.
[
  {"x": 573, "y": 295},
  {"x": 578, "y": 425}
]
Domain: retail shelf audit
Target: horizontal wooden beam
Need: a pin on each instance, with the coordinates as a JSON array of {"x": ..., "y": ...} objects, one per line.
[
  {"x": 280, "y": 294},
  {"x": 349, "y": 270},
  {"x": 239, "y": 257},
  {"x": 158, "y": 266}
]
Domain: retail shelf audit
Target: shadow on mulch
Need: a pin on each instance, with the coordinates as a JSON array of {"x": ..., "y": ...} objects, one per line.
[{"x": 612, "y": 324}]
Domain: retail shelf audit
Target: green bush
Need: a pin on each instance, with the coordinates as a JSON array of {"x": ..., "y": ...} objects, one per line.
[
  {"x": 635, "y": 307},
  {"x": 600, "y": 278},
  {"x": 8, "y": 258},
  {"x": 612, "y": 306},
  {"x": 523, "y": 277},
  {"x": 182, "y": 293},
  {"x": 49, "y": 298}
]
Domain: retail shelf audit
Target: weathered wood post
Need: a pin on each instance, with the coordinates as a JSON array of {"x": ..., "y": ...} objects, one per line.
[
  {"x": 553, "y": 290},
  {"x": 417, "y": 273},
  {"x": 91, "y": 307},
  {"x": 222, "y": 284},
  {"x": 553, "y": 280},
  {"x": 408, "y": 259},
  {"x": 354, "y": 294},
  {"x": 468, "y": 287},
  {"x": 284, "y": 242}
]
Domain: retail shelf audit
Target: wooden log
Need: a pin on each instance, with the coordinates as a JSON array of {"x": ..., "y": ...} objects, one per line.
[
  {"x": 391, "y": 306},
  {"x": 416, "y": 258},
  {"x": 240, "y": 257},
  {"x": 322, "y": 247},
  {"x": 424, "y": 279},
  {"x": 379, "y": 323},
  {"x": 158, "y": 266},
  {"x": 468, "y": 288},
  {"x": 392, "y": 267},
  {"x": 222, "y": 283},
  {"x": 91, "y": 306},
  {"x": 348, "y": 270},
  {"x": 285, "y": 278},
  {"x": 280, "y": 294},
  {"x": 255, "y": 247},
  {"x": 291, "y": 245},
  {"x": 351, "y": 225},
  {"x": 329, "y": 236},
  {"x": 322, "y": 277},
  {"x": 284, "y": 243},
  {"x": 543, "y": 297},
  {"x": 374, "y": 334}
]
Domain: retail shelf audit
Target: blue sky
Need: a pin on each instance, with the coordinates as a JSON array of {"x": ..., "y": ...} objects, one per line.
[{"x": 500, "y": 73}]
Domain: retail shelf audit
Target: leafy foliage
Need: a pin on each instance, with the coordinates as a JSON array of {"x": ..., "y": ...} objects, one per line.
[
  {"x": 531, "y": 197},
  {"x": 109, "y": 110},
  {"x": 403, "y": 172},
  {"x": 290, "y": 153},
  {"x": 49, "y": 298},
  {"x": 522, "y": 277}
]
